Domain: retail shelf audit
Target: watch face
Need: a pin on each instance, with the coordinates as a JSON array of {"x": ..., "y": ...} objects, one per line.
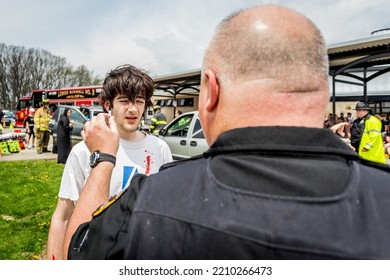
[
  {"x": 97, "y": 157},
  {"x": 93, "y": 159}
]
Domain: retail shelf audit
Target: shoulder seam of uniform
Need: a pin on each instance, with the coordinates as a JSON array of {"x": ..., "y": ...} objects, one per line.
[
  {"x": 373, "y": 164},
  {"x": 181, "y": 161}
]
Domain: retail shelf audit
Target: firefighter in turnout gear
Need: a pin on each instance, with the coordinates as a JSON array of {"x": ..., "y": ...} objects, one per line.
[
  {"x": 41, "y": 123},
  {"x": 158, "y": 120}
]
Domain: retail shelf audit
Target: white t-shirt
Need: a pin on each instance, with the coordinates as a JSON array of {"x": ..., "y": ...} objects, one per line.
[{"x": 145, "y": 157}]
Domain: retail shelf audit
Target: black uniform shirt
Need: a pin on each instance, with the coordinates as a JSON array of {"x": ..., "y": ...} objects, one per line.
[{"x": 257, "y": 193}]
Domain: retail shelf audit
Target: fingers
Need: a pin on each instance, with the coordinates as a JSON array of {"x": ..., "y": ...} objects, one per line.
[
  {"x": 100, "y": 121},
  {"x": 86, "y": 125},
  {"x": 83, "y": 135},
  {"x": 97, "y": 131},
  {"x": 112, "y": 124}
]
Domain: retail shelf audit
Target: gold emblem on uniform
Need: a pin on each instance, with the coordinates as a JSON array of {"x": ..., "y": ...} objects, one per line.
[{"x": 104, "y": 206}]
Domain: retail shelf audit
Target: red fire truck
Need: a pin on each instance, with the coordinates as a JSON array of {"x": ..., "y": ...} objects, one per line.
[{"x": 79, "y": 96}]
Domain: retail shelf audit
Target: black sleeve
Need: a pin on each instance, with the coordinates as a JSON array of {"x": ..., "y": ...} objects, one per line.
[
  {"x": 67, "y": 127},
  {"x": 104, "y": 236}
]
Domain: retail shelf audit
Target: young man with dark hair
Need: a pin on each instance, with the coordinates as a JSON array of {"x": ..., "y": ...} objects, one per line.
[{"x": 126, "y": 90}]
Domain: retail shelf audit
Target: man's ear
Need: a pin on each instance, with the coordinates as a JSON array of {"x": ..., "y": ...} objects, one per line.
[
  {"x": 212, "y": 87},
  {"x": 107, "y": 105}
]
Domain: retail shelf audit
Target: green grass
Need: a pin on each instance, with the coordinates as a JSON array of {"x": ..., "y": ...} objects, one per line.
[{"x": 28, "y": 195}]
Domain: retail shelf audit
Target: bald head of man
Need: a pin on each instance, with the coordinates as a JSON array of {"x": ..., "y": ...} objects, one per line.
[{"x": 265, "y": 66}]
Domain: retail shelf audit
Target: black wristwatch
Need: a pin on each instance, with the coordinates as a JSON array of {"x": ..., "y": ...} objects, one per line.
[{"x": 97, "y": 157}]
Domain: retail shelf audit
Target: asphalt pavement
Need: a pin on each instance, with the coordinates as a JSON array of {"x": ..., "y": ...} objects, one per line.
[{"x": 28, "y": 154}]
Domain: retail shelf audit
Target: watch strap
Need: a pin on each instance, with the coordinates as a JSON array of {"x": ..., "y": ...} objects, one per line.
[
  {"x": 104, "y": 157},
  {"x": 107, "y": 157}
]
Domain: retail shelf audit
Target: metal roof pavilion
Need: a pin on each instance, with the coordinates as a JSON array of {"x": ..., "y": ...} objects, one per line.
[
  {"x": 358, "y": 62},
  {"x": 354, "y": 62},
  {"x": 179, "y": 83},
  {"x": 342, "y": 54}
]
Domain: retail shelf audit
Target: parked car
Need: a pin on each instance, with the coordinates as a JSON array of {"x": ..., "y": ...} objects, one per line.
[
  {"x": 79, "y": 121},
  {"x": 9, "y": 118},
  {"x": 91, "y": 111},
  {"x": 184, "y": 136}
]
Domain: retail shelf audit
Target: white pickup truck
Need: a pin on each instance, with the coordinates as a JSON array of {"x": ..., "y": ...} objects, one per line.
[{"x": 184, "y": 136}]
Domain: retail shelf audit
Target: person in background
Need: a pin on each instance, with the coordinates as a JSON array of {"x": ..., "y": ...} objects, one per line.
[
  {"x": 178, "y": 113},
  {"x": 158, "y": 121},
  {"x": 53, "y": 109},
  {"x": 41, "y": 126},
  {"x": 329, "y": 120},
  {"x": 279, "y": 187},
  {"x": 28, "y": 124},
  {"x": 350, "y": 118},
  {"x": 342, "y": 118},
  {"x": 126, "y": 90},
  {"x": 2, "y": 121},
  {"x": 386, "y": 146},
  {"x": 379, "y": 117},
  {"x": 343, "y": 132},
  {"x": 65, "y": 126},
  {"x": 182, "y": 121},
  {"x": 86, "y": 114},
  {"x": 366, "y": 136},
  {"x": 385, "y": 123}
]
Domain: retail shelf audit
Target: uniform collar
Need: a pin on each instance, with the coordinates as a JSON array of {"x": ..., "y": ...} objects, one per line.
[{"x": 273, "y": 139}]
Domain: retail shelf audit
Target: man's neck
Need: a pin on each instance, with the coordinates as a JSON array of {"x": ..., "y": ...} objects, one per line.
[{"x": 135, "y": 136}]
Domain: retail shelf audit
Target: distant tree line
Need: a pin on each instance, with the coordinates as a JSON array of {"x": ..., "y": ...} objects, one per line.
[{"x": 23, "y": 70}]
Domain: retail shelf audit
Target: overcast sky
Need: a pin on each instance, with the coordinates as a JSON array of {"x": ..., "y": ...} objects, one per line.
[{"x": 161, "y": 36}]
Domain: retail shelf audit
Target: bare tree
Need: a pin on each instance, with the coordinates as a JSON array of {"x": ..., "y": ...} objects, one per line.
[
  {"x": 17, "y": 76},
  {"x": 23, "y": 70},
  {"x": 4, "y": 91},
  {"x": 81, "y": 76}
]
